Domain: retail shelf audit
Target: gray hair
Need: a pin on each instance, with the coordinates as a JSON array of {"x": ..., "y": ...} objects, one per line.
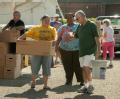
[
  {"x": 107, "y": 22},
  {"x": 81, "y": 13}
]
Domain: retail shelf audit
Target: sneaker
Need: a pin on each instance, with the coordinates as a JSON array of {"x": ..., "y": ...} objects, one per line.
[
  {"x": 81, "y": 84},
  {"x": 83, "y": 89},
  {"x": 90, "y": 89}
]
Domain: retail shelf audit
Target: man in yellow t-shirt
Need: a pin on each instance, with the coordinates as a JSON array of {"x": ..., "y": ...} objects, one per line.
[{"x": 41, "y": 32}]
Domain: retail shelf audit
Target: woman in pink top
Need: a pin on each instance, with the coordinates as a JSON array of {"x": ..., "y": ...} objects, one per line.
[{"x": 108, "y": 41}]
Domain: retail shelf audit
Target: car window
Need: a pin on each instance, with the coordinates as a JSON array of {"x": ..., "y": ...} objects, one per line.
[{"x": 115, "y": 21}]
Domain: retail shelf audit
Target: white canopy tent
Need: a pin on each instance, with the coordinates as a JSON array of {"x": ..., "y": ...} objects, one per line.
[{"x": 31, "y": 10}]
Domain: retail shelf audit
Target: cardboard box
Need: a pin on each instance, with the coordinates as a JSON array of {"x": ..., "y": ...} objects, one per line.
[
  {"x": 2, "y": 65},
  {"x": 9, "y": 35},
  {"x": 2, "y": 60},
  {"x": 13, "y": 60},
  {"x": 99, "y": 69},
  {"x": 35, "y": 48},
  {"x": 24, "y": 61},
  {"x": 12, "y": 72},
  {"x": 1, "y": 72},
  {"x": 4, "y": 48},
  {"x": 12, "y": 48}
]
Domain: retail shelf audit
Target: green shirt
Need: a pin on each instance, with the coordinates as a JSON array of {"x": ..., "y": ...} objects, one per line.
[{"x": 86, "y": 34}]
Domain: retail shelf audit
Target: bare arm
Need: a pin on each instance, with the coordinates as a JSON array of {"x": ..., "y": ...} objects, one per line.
[
  {"x": 23, "y": 37},
  {"x": 57, "y": 44},
  {"x": 97, "y": 39},
  {"x": 5, "y": 28}
]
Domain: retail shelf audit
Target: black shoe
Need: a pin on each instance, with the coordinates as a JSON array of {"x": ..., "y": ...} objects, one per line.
[
  {"x": 68, "y": 83},
  {"x": 81, "y": 84}
]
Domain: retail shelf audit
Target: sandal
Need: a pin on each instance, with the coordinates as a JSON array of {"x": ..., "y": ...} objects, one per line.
[
  {"x": 46, "y": 88},
  {"x": 32, "y": 85}
]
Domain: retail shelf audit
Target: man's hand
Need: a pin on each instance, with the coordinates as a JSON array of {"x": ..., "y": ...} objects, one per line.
[
  {"x": 68, "y": 37},
  {"x": 22, "y": 38}
]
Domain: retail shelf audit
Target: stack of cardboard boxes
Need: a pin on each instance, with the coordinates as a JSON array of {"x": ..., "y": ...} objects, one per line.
[
  {"x": 13, "y": 66},
  {"x": 10, "y": 62},
  {"x": 3, "y": 52}
]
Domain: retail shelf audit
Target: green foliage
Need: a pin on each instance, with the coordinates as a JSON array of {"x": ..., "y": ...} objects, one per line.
[{"x": 63, "y": 21}]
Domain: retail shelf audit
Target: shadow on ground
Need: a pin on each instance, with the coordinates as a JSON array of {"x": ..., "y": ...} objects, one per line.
[
  {"x": 29, "y": 94},
  {"x": 65, "y": 88},
  {"x": 19, "y": 82},
  {"x": 87, "y": 96},
  {"x": 33, "y": 94}
]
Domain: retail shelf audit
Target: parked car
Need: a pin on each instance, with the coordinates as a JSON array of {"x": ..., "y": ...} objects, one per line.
[
  {"x": 27, "y": 27},
  {"x": 115, "y": 22}
]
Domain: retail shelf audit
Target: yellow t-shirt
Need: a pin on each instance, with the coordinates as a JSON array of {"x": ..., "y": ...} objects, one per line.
[{"x": 42, "y": 33}]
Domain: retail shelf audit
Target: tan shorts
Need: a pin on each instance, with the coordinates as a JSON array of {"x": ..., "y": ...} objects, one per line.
[{"x": 85, "y": 61}]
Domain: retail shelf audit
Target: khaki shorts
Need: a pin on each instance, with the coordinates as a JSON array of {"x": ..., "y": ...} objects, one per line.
[{"x": 85, "y": 61}]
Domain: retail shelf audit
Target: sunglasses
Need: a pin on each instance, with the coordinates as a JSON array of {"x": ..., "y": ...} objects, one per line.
[{"x": 77, "y": 19}]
